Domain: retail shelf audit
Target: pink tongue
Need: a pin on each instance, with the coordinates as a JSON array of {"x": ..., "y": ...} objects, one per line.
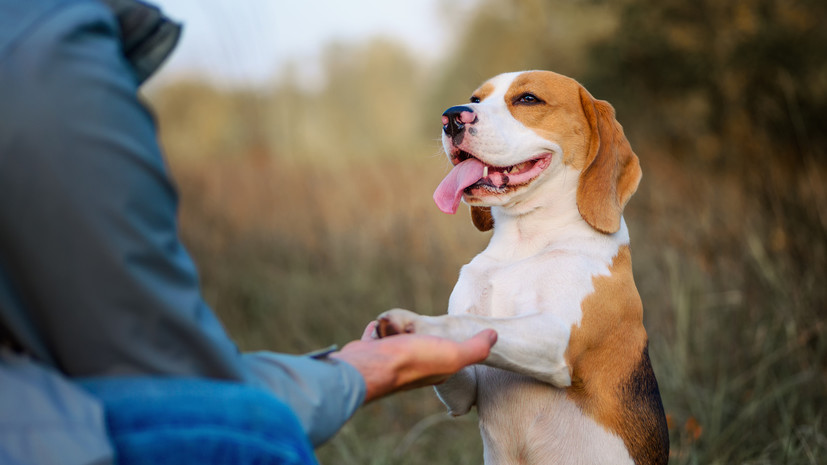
[{"x": 449, "y": 192}]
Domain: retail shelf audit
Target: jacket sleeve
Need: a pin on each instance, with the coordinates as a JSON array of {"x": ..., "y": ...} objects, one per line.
[
  {"x": 93, "y": 277},
  {"x": 324, "y": 393}
]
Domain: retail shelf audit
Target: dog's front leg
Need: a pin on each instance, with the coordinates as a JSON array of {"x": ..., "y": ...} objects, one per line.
[
  {"x": 459, "y": 392},
  {"x": 531, "y": 344}
]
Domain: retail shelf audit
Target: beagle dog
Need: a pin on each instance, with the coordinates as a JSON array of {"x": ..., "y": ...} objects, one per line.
[{"x": 548, "y": 167}]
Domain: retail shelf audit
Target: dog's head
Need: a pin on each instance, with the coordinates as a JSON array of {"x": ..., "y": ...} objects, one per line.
[{"x": 521, "y": 130}]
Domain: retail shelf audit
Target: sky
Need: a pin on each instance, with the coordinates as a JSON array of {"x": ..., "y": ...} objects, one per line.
[{"x": 246, "y": 42}]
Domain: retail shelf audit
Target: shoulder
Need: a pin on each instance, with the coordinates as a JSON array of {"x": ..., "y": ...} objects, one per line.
[
  {"x": 54, "y": 57},
  {"x": 39, "y": 38},
  {"x": 22, "y": 21}
]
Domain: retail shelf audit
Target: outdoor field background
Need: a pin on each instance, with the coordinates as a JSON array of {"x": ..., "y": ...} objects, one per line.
[{"x": 306, "y": 204}]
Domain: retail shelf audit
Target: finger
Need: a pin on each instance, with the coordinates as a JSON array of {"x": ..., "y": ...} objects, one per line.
[
  {"x": 477, "y": 348},
  {"x": 370, "y": 331}
]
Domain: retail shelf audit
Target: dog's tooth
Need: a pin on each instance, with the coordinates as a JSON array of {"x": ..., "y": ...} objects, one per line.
[{"x": 485, "y": 172}]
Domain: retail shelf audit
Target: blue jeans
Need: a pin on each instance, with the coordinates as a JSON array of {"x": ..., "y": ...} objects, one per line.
[{"x": 166, "y": 421}]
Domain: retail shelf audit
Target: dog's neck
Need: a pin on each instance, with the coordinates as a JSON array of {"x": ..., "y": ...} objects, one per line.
[{"x": 547, "y": 219}]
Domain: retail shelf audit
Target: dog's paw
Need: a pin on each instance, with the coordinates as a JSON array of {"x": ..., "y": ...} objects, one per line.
[
  {"x": 459, "y": 392},
  {"x": 396, "y": 321}
]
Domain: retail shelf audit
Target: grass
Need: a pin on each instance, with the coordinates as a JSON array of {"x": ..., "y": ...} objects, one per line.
[
  {"x": 295, "y": 256},
  {"x": 293, "y": 267},
  {"x": 308, "y": 210}
]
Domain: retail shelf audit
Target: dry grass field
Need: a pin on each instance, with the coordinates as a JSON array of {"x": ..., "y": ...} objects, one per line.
[
  {"x": 306, "y": 221},
  {"x": 295, "y": 256}
]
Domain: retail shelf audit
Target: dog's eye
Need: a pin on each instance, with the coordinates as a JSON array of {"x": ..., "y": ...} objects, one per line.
[
  {"x": 528, "y": 99},
  {"x": 475, "y": 99}
]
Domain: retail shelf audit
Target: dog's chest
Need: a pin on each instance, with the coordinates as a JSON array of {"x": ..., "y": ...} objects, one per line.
[
  {"x": 554, "y": 281},
  {"x": 484, "y": 285}
]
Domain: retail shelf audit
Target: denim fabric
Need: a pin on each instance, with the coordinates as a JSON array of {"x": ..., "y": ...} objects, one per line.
[{"x": 166, "y": 421}]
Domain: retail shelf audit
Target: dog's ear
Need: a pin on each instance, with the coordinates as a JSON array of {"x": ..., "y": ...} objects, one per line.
[
  {"x": 481, "y": 216},
  {"x": 611, "y": 172}
]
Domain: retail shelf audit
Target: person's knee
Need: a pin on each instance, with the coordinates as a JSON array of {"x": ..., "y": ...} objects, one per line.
[{"x": 198, "y": 421}]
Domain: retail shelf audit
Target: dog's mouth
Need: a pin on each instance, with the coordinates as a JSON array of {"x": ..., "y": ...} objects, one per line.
[
  {"x": 498, "y": 178},
  {"x": 472, "y": 174}
]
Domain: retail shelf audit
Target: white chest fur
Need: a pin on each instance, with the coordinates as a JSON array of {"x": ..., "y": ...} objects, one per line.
[
  {"x": 543, "y": 278},
  {"x": 541, "y": 261}
]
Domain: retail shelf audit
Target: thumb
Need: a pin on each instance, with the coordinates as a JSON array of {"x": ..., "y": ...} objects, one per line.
[
  {"x": 477, "y": 348},
  {"x": 367, "y": 334}
]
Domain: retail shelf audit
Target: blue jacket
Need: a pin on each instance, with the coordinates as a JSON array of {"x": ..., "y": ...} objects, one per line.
[{"x": 94, "y": 280}]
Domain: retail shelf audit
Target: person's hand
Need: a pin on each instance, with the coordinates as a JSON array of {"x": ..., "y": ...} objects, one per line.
[{"x": 409, "y": 361}]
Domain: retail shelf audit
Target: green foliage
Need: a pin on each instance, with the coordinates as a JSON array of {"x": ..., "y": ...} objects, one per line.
[
  {"x": 757, "y": 67},
  {"x": 502, "y": 36}
]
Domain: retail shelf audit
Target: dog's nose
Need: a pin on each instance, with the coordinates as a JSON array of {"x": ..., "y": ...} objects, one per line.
[{"x": 454, "y": 120}]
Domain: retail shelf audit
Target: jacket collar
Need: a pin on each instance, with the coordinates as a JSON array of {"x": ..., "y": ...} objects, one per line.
[{"x": 147, "y": 36}]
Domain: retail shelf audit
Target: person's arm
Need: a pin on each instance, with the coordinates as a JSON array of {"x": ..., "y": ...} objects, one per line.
[
  {"x": 410, "y": 361},
  {"x": 89, "y": 250},
  {"x": 324, "y": 393},
  {"x": 93, "y": 277}
]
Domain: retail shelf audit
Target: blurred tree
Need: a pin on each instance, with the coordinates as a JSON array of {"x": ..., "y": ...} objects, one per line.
[
  {"x": 753, "y": 73},
  {"x": 740, "y": 87},
  {"x": 371, "y": 97},
  {"x": 359, "y": 107},
  {"x": 188, "y": 108},
  {"x": 512, "y": 35}
]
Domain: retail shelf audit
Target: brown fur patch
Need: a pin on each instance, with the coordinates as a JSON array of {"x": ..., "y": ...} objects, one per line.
[
  {"x": 611, "y": 172},
  {"x": 612, "y": 377},
  {"x": 559, "y": 117},
  {"x": 484, "y": 91},
  {"x": 481, "y": 217}
]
